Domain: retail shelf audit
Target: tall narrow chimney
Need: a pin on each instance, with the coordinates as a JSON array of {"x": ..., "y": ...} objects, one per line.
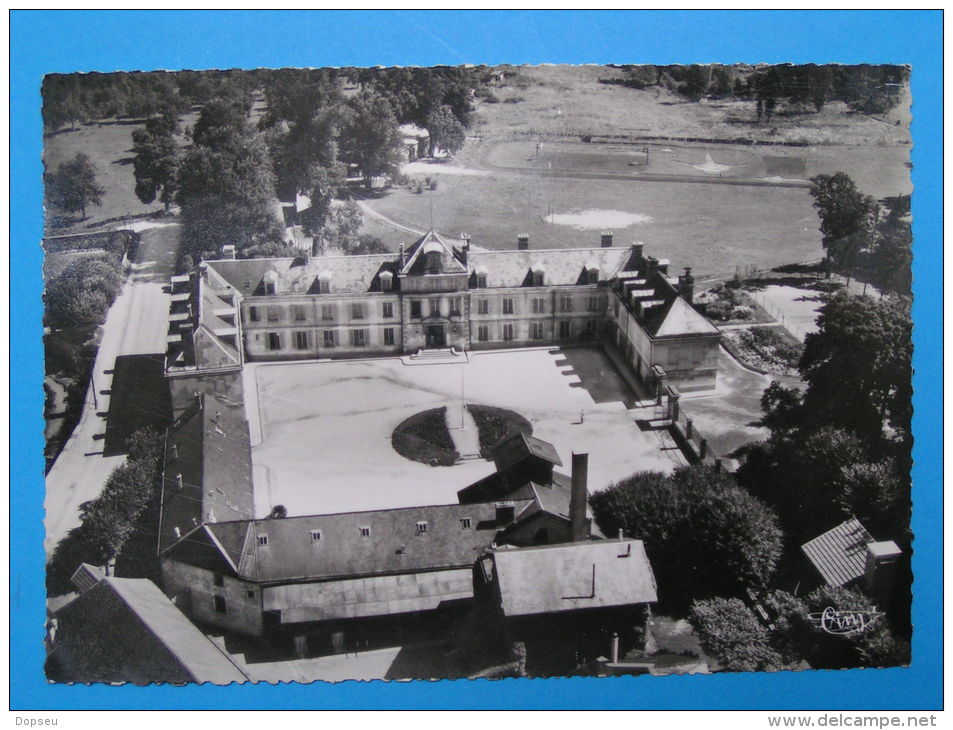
[
  {"x": 228, "y": 252},
  {"x": 522, "y": 242},
  {"x": 402, "y": 257},
  {"x": 505, "y": 513},
  {"x": 606, "y": 239},
  {"x": 686, "y": 285},
  {"x": 637, "y": 250},
  {"x": 652, "y": 269},
  {"x": 465, "y": 247},
  {"x": 579, "y": 497}
]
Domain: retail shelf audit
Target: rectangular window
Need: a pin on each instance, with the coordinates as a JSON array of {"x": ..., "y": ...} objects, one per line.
[
  {"x": 508, "y": 332},
  {"x": 274, "y": 314},
  {"x": 269, "y": 287},
  {"x": 274, "y": 341},
  {"x": 219, "y": 580},
  {"x": 536, "y": 330},
  {"x": 592, "y": 304},
  {"x": 539, "y": 305},
  {"x": 538, "y": 278},
  {"x": 329, "y": 338},
  {"x": 507, "y": 306},
  {"x": 387, "y": 310},
  {"x": 481, "y": 281},
  {"x": 262, "y": 540},
  {"x": 483, "y": 306},
  {"x": 565, "y": 329},
  {"x": 464, "y": 523},
  {"x": 593, "y": 276},
  {"x": 357, "y": 311},
  {"x": 358, "y": 338},
  {"x": 421, "y": 528},
  {"x": 220, "y": 604},
  {"x": 301, "y": 340},
  {"x": 315, "y": 536},
  {"x": 387, "y": 283},
  {"x": 365, "y": 531},
  {"x": 455, "y": 305},
  {"x": 299, "y": 312},
  {"x": 434, "y": 306},
  {"x": 324, "y": 286},
  {"x": 565, "y": 304},
  {"x": 253, "y": 314},
  {"x": 415, "y": 309},
  {"x": 388, "y": 335},
  {"x": 327, "y": 311},
  {"x": 483, "y": 333},
  {"x": 249, "y": 594}
]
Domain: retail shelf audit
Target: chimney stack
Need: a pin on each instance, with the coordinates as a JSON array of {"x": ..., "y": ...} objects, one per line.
[
  {"x": 522, "y": 242},
  {"x": 505, "y": 513},
  {"x": 178, "y": 482},
  {"x": 880, "y": 570},
  {"x": 465, "y": 247},
  {"x": 652, "y": 266},
  {"x": 402, "y": 256},
  {"x": 579, "y": 497},
  {"x": 228, "y": 252},
  {"x": 606, "y": 239},
  {"x": 686, "y": 285}
]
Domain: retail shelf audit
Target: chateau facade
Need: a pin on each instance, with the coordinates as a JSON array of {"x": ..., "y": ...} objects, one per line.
[{"x": 439, "y": 294}]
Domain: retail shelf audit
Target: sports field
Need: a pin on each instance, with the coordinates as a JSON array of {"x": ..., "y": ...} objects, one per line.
[{"x": 321, "y": 430}]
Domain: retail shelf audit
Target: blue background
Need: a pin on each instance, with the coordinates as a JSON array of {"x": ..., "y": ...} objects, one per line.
[{"x": 66, "y": 41}]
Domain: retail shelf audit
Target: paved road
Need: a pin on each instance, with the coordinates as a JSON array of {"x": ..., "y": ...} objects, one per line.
[{"x": 135, "y": 325}]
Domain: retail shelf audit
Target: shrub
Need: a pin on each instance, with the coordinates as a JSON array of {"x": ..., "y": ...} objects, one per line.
[
  {"x": 730, "y": 632},
  {"x": 424, "y": 438},
  {"x": 718, "y": 310},
  {"x": 496, "y": 424},
  {"x": 742, "y": 312}
]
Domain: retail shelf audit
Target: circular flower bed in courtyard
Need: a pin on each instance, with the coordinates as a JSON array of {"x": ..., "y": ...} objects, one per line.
[
  {"x": 424, "y": 437},
  {"x": 496, "y": 424}
]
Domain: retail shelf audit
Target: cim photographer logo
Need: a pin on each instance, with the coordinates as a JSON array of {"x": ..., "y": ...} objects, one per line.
[{"x": 844, "y": 623}]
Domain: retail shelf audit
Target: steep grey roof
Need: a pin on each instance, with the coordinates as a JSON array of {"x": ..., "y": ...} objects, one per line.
[
  {"x": 840, "y": 554},
  {"x": 125, "y": 629},
  {"x": 572, "y": 576},
  {"x": 209, "y": 445},
  {"x": 394, "y": 545},
  {"x": 561, "y": 266},
  {"x": 520, "y": 445}
]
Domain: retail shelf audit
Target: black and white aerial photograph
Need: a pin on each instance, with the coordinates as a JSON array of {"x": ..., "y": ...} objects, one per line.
[{"x": 476, "y": 372}]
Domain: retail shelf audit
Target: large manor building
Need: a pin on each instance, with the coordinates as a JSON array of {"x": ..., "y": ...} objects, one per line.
[{"x": 433, "y": 294}]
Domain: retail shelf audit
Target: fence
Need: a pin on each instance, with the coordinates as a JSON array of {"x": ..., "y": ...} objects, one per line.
[{"x": 798, "y": 330}]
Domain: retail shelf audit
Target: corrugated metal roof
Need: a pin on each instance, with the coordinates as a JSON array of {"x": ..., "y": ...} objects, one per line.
[{"x": 840, "y": 554}]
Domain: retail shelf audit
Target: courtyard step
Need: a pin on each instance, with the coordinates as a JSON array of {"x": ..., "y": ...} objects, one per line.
[{"x": 431, "y": 357}]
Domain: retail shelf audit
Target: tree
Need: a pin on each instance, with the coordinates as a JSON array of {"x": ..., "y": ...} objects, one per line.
[
  {"x": 156, "y": 160},
  {"x": 82, "y": 293},
  {"x": 445, "y": 130},
  {"x": 226, "y": 187},
  {"x": 704, "y": 535},
  {"x": 892, "y": 255},
  {"x": 730, "y": 632},
  {"x": 857, "y": 366},
  {"x": 324, "y": 183},
  {"x": 370, "y": 138},
  {"x": 73, "y": 186},
  {"x": 847, "y": 219},
  {"x": 342, "y": 225}
]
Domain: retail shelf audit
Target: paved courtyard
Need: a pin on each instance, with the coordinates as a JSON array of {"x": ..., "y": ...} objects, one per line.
[{"x": 321, "y": 431}]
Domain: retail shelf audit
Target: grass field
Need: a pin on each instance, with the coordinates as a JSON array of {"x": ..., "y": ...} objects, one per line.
[{"x": 713, "y": 228}]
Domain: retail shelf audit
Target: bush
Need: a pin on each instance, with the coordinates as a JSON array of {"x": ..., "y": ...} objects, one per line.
[
  {"x": 424, "y": 438},
  {"x": 718, "y": 310},
  {"x": 730, "y": 632},
  {"x": 496, "y": 424},
  {"x": 705, "y": 536},
  {"x": 742, "y": 312}
]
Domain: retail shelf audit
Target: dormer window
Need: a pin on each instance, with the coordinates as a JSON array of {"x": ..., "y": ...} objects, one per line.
[
  {"x": 324, "y": 282},
  {"x": 315, "y": 536},
  {"x": 262, "y": 540},
  {"x": 593, "y": 276},
  {"x": 421, "y": 527},
  {"x": 365, "y": 531},
  {"x": 387, "y": 281},
  {"x": 433, "y": 262},
  {"x": 271, "y": 282},
  {"x": 538, "y": 278},
  {"x": 481, "y": 280}
]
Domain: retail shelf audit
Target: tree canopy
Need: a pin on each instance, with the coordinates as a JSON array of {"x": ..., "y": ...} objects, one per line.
[
  {"x": 445, "y": 130},
  {"x": 704, "y": 535},
  {"x": 82, "y": 293},
  {"x": 156, "y": 160},
  {"x": 72, "y": 188},
  {"x": 847, "y": 219},
  {"x": 369, "y": 137}
]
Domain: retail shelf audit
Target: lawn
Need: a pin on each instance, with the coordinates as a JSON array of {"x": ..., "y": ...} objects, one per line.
[
  {"x": 713, "y": 228},
  {"x": 321, "y": 432}
]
